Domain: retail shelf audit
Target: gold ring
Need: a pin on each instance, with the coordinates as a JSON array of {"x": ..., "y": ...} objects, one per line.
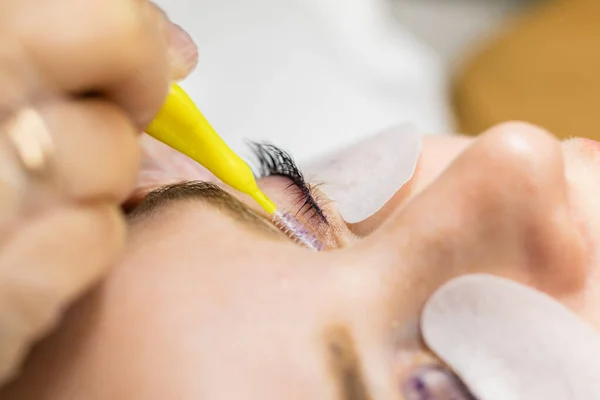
[{"x": 30, "y": 136}]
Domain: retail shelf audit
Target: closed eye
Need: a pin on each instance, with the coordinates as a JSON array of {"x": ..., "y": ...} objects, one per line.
[{"x": 273, "y": 161}]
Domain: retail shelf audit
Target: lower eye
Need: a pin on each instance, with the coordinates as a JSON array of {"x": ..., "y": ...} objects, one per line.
[{"x": 434, "y": 383}]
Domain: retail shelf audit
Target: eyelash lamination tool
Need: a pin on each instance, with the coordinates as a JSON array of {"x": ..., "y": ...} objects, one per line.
[{"x": 181, "y": 125}]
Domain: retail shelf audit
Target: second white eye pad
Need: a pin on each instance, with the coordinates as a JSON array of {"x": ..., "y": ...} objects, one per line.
[
  {"x": 509, "y": 342},
  {"x": 362, "y": 177}
]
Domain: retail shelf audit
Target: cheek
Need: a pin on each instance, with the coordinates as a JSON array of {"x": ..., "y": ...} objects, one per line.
[
  {"x": 582, "y": 170},
  {"x": 582, "y": 185}
]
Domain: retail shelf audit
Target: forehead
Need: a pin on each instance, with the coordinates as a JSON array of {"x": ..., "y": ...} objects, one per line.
[{"x": 245, "y": 324}]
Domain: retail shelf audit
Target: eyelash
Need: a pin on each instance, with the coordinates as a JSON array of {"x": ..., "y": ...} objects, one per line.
[{"x": 273, "y": 161}]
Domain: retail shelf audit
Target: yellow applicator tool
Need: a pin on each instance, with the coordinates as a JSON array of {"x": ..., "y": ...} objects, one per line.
[{"x": 180, "y": 125}]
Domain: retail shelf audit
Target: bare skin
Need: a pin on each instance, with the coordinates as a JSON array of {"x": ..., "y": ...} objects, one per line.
[{"x": 207, "y": 304}]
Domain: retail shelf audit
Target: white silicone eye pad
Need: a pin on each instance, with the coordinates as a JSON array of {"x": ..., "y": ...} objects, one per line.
[
  {"x": 509, "y": 342},
  {"x": 362, "y": 177}
]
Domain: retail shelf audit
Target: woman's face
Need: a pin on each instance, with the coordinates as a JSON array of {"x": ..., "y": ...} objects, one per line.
[{"x": 210, "y": 302}]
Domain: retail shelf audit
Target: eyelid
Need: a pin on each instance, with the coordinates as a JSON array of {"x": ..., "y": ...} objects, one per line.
[{"x": 273, "y": 161}]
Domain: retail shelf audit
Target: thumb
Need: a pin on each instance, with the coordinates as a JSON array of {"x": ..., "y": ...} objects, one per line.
[{"x": 182, "y": 52}]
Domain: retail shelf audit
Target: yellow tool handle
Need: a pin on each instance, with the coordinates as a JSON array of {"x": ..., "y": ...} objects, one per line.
[{"x": 181, "y": 125}]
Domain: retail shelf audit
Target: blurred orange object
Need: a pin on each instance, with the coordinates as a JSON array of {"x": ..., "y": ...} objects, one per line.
[{"x": 544, "y": 69}]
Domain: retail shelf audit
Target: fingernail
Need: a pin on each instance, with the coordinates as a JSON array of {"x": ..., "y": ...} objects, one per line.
[
  {"x": 434, "y": 383},
  {"x": 183, "y": 52}
]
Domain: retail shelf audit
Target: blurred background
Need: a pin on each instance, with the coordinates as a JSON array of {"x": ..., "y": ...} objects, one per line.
[{"x": 310, "y": 75}]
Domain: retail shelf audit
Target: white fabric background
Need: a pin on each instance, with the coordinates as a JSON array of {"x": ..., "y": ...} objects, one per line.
[{"x": 310, "y": 74}]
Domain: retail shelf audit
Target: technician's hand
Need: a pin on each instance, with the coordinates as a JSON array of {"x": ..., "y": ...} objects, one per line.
[{"x": 79, "y": 79}]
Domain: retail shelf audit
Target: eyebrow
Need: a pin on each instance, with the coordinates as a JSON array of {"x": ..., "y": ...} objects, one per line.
[
  {"x": 206, "y": 192},
  {"x": 345, "y": 364}
]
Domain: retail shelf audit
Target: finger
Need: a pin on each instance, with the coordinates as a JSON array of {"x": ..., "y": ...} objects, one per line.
[
  {"x": 95, "y": 150},
  {"x": 87, "y": 148},
  {"x": 115, "y": 47},
  {"x": 182, "y": 51},
  {"x": 73, "y": 247}
]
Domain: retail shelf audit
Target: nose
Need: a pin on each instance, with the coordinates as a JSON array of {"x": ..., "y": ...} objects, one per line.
[{"x": 500, "y": 208}]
